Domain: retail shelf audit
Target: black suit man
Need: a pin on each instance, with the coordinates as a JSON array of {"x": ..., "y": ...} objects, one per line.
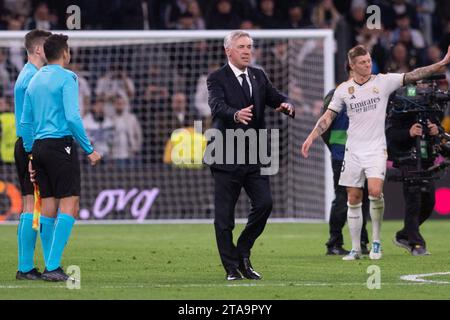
[{"x": 237, "y": 95}]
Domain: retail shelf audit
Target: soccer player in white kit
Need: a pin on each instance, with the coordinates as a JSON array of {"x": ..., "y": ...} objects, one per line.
[{"x": 366, "y": 97}]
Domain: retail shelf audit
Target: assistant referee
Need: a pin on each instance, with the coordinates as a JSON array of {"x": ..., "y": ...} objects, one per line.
[
  {"x": 26, "y": 235},
  {"x": 51, "y": 111}
]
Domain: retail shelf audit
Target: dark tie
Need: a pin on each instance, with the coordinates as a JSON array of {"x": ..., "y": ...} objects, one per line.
[{"x": 245, "y": 86}]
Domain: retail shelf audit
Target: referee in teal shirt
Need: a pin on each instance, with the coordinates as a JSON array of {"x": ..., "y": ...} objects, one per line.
[
  {"x": 51, "y": 111},
  {"x": 26, "y": 235}
]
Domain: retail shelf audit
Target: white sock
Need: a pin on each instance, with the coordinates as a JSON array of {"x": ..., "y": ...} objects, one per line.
[
  {"x": 376, "y": 215},
  {"x": 354, "y": 220}
]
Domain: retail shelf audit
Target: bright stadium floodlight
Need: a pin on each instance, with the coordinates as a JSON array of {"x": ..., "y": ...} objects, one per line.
[{"x": 161, "y": 64}]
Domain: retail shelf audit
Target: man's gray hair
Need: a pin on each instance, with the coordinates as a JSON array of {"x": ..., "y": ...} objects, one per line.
[{"x": 233, "y": 36}]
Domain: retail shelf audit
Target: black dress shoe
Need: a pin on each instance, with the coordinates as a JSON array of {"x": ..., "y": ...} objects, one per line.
[
  {"x": 403, "y": 243},
  {"x": 245, "y": 267},
  {"x": 336, "y": 251},
  {"x": 33, "y": 274},
  {"x": 419, "y": 250},
  {"x": 234, "y": 274}
]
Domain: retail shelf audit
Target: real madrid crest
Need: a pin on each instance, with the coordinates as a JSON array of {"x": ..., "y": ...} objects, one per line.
[
  {"x": 375, "y": 90},
  {"x": 351, "y": 90}
]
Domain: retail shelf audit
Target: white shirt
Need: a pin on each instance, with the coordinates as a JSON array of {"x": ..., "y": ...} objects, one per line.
[
  {"x": 201, "y": 97},
  {"x": 180, "y": 116},
  {"x": 84, "y": 92},
  {"x": 366, "y": 109},
  {"x": 101, "y": 134},
  {"x": 109, "y": 86},
  {"x": 238, "y": 73},
  {"x": 127, "y": 136}
]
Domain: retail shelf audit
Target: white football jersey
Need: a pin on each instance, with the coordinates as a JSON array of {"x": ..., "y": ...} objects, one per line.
[{"x": 366, "y": 109}]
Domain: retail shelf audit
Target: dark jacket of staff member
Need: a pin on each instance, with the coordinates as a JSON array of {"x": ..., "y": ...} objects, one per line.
[{"x": 237, "y": 96}]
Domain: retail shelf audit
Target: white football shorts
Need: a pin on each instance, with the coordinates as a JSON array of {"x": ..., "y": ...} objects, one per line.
[{"x": 357, "y": 167}]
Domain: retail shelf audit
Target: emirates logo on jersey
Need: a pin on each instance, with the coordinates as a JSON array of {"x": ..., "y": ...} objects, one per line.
[{"x": 365, "y": 105}]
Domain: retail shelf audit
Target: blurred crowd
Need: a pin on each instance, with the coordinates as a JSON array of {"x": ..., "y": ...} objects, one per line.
[
  {"x": 413, "y": 32},
  {"x": 113, "y": 98}
]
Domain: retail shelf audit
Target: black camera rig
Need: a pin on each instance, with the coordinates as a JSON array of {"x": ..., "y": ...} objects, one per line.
[{"x": 426, "y": 102}]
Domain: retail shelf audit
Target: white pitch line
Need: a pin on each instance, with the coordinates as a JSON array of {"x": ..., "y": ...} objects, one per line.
[
  {"x": 418, "y": 278},
  {"x": 254, "y": 285},
  {"x": 30, "y": 287}
]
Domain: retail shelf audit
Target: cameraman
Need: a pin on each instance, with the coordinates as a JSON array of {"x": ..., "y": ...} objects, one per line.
[{"x": 402, "y": 132}]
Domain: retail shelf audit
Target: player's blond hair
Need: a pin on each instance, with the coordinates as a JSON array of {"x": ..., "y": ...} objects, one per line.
[{"x": 357, "y": 51}]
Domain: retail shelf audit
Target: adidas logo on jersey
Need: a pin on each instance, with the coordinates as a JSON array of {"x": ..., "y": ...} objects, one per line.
[{"x": 67, "y": 150}]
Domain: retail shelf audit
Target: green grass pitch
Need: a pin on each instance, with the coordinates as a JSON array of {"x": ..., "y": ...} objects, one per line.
[{"x": 180, "y": 261}]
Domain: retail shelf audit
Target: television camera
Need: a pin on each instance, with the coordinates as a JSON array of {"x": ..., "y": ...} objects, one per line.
[{"x": 425, "y": 102}]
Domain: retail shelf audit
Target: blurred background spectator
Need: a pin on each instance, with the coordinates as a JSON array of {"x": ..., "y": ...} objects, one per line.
[
  {"x": 356, "y": 20},
  {"x": 127, "y": 133},
  {"x": 42, "y": 18},
  {"x": 84, "y": 91},
  {"x": 223, "y": 16},
  {"x": 268, "y": 18},
  {"x": 325, "y": 15},
  {"x": 403, "y": 23},
  {"x": 115, "y": 81},
  {"x": 197, "y": 16},
  {"x": 180, "y": 115},
  {"x": 100, "y": 128},
  {"x": 164, "y": 122},
  {"x": 201, "y": 95},
  {"x": 7, "y": 130},
  {"x": 172, "y": 12},
  {"x": 8, "y": 73},
  {"x": 297, "y": 17},
  {"x": 399, "y": 60},
  {"x": 275, "y": 62}
]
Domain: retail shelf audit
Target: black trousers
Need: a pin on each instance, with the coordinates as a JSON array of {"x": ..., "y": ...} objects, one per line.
[
  {"x": 338, "y": 214},
  {"x": 228, "y": 185},
  {"x": 419, "y": 203}
]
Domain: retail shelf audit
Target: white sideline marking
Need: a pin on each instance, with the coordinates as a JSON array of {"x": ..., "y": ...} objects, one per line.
[
  {"x": 418, "y": 278},
  {"x": 30, "y": 287},
  {"x": 193, "y": 285}
]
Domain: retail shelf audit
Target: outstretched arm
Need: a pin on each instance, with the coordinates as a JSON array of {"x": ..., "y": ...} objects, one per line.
[
  {"x": 421, "y": 73},
  {"x": 322, "y": 125}
]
